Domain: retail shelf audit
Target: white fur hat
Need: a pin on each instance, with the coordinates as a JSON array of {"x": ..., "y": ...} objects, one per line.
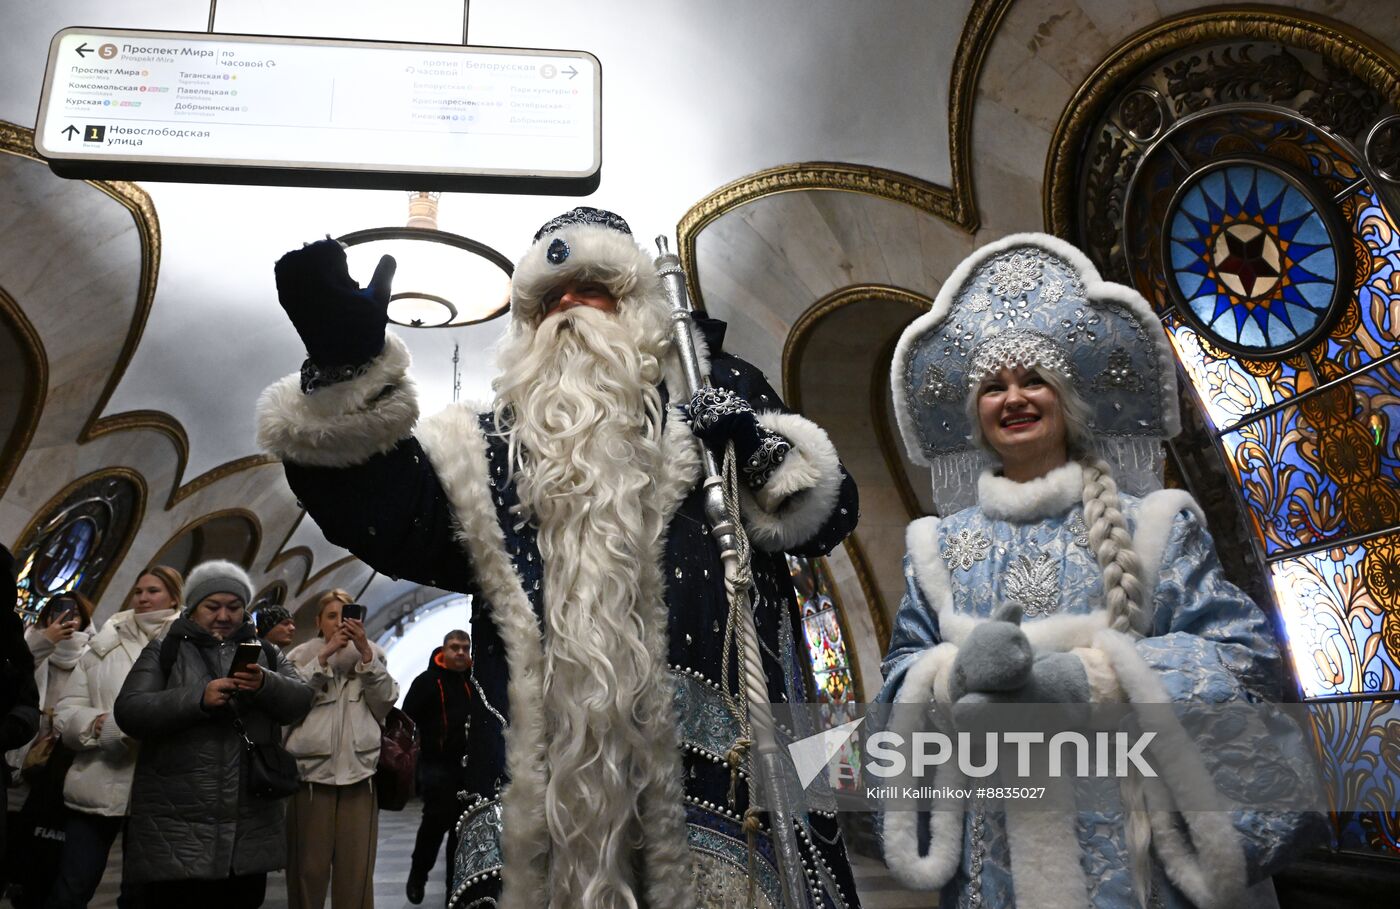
[
  {"x": 585, "y": 243},
  {"x": 217, "y": 576}
]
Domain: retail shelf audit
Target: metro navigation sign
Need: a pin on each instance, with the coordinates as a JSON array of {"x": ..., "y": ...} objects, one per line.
[{"x": 196, "y": 107}]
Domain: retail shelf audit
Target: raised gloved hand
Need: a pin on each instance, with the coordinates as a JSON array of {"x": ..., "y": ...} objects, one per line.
[
  {"x": 719, "y": 416},
  {"x": 341, "y": 324},
  {"x": 995, "y": 657}
]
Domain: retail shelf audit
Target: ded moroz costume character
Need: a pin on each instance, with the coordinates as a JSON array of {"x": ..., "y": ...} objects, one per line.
[
  {"x": 570, "y": 508},
  {"x": 1120, "y": 597}
]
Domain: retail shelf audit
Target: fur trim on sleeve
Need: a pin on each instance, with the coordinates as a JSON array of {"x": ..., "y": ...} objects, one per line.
[
  {"x": 343, "y": 424},
  {"x": 931, "y": 870},
  {"x": 797, "y": 500},
  {"x": 1156, "y": 516},
  {"x": 934, "y": 579},
  {"x": 1103, "y": 681}
]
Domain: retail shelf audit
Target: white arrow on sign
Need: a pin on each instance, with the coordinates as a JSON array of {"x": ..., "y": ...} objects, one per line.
[{"x": 811, "y": 755}]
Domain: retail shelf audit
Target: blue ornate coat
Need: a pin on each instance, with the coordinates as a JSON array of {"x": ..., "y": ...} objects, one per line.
[
  {"x": 1202, "y": 641},
  {"x": 433, "y": 504}
]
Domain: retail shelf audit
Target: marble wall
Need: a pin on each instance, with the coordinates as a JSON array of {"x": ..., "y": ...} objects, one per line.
[{"x": 71, "y": 257}]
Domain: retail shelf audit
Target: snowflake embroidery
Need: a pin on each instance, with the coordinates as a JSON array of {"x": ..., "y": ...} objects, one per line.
[
  {"x": 979, "y": 302},
  {"x": 1051, "y": 293},
  {"x": 1035, "y": 586},
  {"x": 1080, "y": 530},
  {"x": 1014, "y": 276},
  {"x": 964, "y": 548}
]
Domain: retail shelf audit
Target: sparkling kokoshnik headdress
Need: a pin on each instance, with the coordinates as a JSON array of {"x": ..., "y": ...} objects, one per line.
[{"x": 1034, "y": 300}]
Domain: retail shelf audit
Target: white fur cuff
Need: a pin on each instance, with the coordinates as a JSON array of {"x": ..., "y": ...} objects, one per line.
[
  {"x": 797, "y": 500},
  {"x": 1103, "y": 681},
  {"x": 343, "y": 424},
  {"x": 927, "y": 679}
]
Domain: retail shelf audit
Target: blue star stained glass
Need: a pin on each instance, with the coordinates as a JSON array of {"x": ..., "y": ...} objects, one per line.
[{"x": 1252, "y": 260}]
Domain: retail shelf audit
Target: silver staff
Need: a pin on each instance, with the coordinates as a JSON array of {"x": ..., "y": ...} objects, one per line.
[{"x": 767, "y": 759}]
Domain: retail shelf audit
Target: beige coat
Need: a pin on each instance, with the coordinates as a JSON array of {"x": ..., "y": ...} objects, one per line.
[
  {"x": 338, "y": 742},
  {"x": 100, "y": 779}
]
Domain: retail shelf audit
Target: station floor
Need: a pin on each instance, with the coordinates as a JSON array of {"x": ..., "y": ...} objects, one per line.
[{"x": 396, "y": 832}]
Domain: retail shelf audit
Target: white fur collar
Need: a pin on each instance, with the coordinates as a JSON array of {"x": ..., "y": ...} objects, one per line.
[{"x": 1044, "y": 497}]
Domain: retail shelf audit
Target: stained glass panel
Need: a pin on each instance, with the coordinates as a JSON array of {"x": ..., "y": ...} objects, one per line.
[
  {"x": 1324, "y": 468},
  {"x": 832, "y": 683},
  {"x": 1309, "y": 430},
  {"x": 1252, "y": 258},
  {"x": 1358, "y": 743},
  {"x": 1341, "y": 614},
  {"x": 74, "y": 545},
  {"x": 1228, "y": 391}
]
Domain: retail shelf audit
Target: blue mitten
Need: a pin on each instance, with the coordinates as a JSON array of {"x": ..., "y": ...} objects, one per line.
[
  {"x": 341, "y": 324},
  {"x": 995, "y": 657},
  {"x": 719, "y": 416}
]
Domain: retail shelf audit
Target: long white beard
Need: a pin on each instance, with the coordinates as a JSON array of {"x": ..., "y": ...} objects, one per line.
[{"x": 585, "y": 426}]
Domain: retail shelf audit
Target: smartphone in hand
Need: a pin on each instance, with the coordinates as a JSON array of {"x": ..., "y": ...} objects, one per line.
[
  {"x": 244, "y": 657},
  {"x": 353, "y": 611}
]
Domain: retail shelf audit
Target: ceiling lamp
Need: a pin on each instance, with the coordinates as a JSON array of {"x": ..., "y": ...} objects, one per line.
[{"x": 443, "y": 279}]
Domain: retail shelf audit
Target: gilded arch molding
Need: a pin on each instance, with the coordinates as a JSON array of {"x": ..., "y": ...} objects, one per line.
[
  {"x": 31, "y": 405},
  {"x": 1342, "y": 44},
  {"x": 796, "y": 345},
  {"x": 254, "y": 539},
  {"x": 19, "y": 141},
  {"x": 956, "y": 204},
  {"x": 138, "y": 515},
  {"x": 794, "y": 348}
]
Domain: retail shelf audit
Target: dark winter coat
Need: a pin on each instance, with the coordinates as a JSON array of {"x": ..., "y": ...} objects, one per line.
[
  {"x": 192, "y": 816},
  {"x": 439, "y": 702},
  {"x": 19, "y": 696}
]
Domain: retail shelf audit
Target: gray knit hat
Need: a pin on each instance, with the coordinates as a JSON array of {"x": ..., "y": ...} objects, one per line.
[{"x": 218, "y": 576}]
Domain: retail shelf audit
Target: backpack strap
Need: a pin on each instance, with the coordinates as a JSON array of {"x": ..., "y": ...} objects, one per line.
[{"x": 169, "y": 653}]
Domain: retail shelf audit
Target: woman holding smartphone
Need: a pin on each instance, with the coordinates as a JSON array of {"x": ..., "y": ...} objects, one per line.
[
  {"x": 333, "y": 821},
  {"x": 98, "y": 788},
  {"x": 198, "y": 835}
]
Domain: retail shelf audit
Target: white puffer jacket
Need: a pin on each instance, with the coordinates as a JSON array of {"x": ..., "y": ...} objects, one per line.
[
  {"x": 54, "y": 665},
  {"x": 100, "y": 779},
  {"x": 338, "y": 742}
]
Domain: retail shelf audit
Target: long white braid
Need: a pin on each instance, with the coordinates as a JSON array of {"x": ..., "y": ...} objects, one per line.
[
  {"x": 1123, "y": 594},
  {"x": 1113, "y": 547}
]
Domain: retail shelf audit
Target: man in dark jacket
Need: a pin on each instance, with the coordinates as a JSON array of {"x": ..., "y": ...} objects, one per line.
[
  {"x": 439, "y": 702},
  {"x": 197, "y": 833},
  {"x": 19, "y": 697}
]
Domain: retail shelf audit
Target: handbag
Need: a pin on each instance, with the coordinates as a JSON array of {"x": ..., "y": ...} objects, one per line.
[
  {"x": 398, "y": 761},
  {"x": 272, "y": 771}
]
